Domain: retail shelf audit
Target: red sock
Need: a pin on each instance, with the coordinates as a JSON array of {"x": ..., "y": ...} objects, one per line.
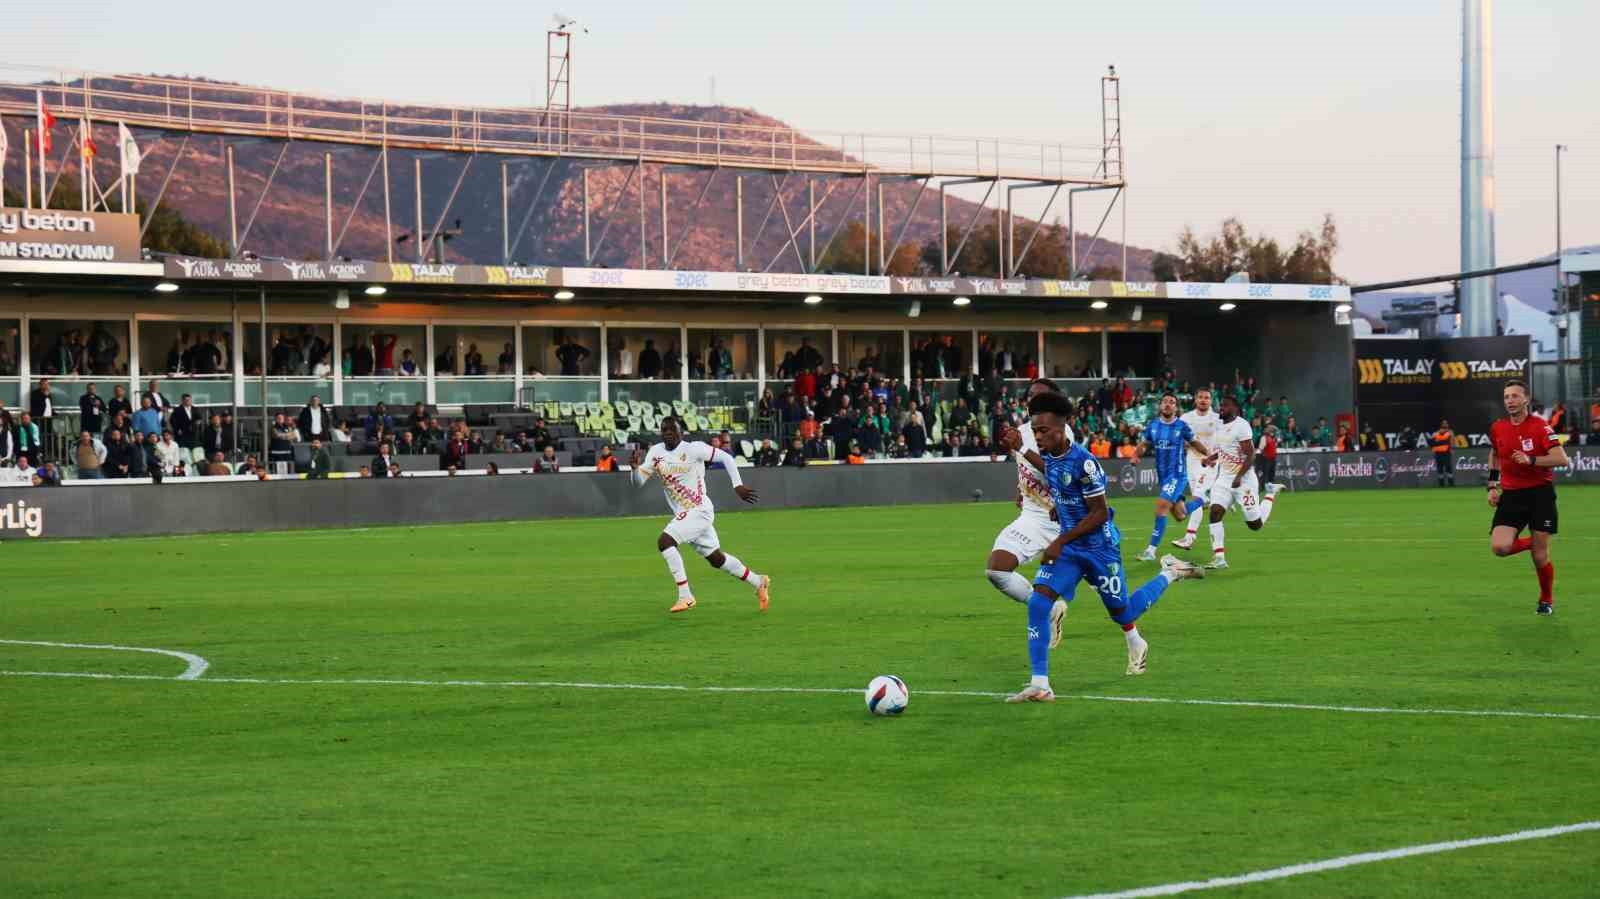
[
  {"x": 1547, "y": 583},
  {"x": 1522, "y": 545},
  {"x": 1128, "y": 627}
]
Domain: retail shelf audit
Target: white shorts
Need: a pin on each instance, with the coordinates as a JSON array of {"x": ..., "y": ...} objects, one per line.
[
  {"x": 1200, "y": 478},
  {"x": 1247, "y": 496},
  {"x": 1027, "y": 537},
  {"x": 695, "y": 528}
]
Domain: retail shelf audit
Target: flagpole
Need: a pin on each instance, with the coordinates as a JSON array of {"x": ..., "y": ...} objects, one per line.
[
  {"x": 44, "y": 198},
  {"x": 83, "y": 165},
  {"x": 27, "y": 167}
]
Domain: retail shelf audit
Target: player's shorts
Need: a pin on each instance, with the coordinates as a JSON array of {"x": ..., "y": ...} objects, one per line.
[
  {"x": 1247, "y": 496},
  {"x": 1027, "y": 537},
  {"x": 1102, "y": 569},
  {"x": 695, "y": 528},
  {"x": 1200, "y": 478},
  {"x": 1172, "y": 489},
  {"x": 1533, "y": 508}
]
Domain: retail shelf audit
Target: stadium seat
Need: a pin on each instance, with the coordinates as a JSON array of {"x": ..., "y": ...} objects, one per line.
[
  {"x": 663, "y": 408},
  {"x": 747, "y": 449}
]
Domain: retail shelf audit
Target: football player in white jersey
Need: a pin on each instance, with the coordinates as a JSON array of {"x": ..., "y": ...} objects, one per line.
[
  {"x": 1203, "y": 421},
  {"x": 680, "y": 466},
  {"x": 1035, "y": 527},
  {"x": 1235, "y": 480}
]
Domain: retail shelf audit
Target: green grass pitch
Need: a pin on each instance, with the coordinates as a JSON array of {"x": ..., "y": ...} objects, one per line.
[{"x": 155, "y": 787}]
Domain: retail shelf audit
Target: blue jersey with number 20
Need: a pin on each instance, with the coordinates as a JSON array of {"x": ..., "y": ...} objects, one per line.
[{"x": 1073, "y": 478}]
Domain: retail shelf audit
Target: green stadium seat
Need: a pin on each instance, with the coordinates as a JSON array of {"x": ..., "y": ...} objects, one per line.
[
  {"x": 664, "y": 408},
  {"x": 565, "y": 409}
]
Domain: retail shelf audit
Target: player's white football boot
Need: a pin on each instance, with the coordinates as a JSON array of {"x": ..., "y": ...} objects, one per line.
[
  {"x": 1058, "y": 616},
  {"x": 1149, "y": 554},
  {"x": 1031, "y": 693},
  {"x": 1181, "y": 568},
  {"x": 1272, "y": 488},
  {"x": 1138, "y": 656},
  {"x": 1184, "y": 542},
  {"x": 1218, "y": 564}
]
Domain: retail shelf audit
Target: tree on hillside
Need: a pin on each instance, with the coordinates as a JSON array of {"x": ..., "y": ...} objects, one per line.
[
  {"x": 1233, "y": 250},
  {"x": 979, "y": 258},
  {"x": 845, "y": 253},
  {"x": 169, "y": 231}
]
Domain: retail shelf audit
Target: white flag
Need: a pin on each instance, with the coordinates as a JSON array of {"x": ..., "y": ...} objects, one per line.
[{"x": 131, "y": 157}]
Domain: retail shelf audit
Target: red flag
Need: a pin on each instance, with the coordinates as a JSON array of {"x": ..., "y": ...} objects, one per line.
[
  {"x": 46, "y": 122},
  {"x": 88, "y": 144}
]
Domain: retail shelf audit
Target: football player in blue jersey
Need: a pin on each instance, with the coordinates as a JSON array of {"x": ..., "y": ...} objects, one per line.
[
  {"x": 1089, "y": 548},
  {"x": 1168, "y": 435}
]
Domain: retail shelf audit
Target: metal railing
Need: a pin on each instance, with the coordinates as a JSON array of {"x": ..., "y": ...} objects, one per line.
[{"x": 192, "y": 105}]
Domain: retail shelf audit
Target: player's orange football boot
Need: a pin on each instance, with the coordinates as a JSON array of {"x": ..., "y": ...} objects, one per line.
[
  {"x": 683, "y": 605},
  {"x": 763, "y": 591}
]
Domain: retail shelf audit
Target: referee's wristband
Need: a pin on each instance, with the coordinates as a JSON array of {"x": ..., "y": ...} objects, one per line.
[{"x": 1494, "y": 479}]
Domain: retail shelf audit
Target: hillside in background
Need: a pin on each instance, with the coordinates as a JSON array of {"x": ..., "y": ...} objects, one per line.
[{"x": 291, "y": 221}]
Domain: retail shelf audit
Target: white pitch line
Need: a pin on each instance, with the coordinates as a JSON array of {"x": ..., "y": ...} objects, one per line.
[
  {"x": 197, "y": 665},
  {"x": 687, "y": 688},
  {"x": 1344, "y": 861}
]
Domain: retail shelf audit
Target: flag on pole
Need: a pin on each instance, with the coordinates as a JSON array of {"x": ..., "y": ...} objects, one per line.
[
  {"x": 89, "y": 151},
  {"x": 46, "y": 122},
  {"x": 4, "y": 146},
  {"x": 130, "y": 153}
]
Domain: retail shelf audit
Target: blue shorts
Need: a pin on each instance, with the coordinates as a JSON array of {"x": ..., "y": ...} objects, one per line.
[
  {"x": 1101, "y": 568},
  {"x": 1172, "y": 488}
]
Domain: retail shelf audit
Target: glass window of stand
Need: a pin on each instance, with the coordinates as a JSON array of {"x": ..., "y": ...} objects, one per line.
[
  {"x": 791, "y": 349},
  {"x": 560, "y": 364},
  {"x": 722, "y": 369},
  {"x": 474, "y": 364},
  {"x": 881, "y": 350},
  {"x": 299, "y": 362},
  {"x": 647, "y": 364},
  {"x": 193, "y": 357},
  {"x": 10, "y": 361},
  {"x": 384, "y": 363}
]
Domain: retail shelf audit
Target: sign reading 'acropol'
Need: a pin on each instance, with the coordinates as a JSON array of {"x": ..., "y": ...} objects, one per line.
[{"x": 51, "y": 234}]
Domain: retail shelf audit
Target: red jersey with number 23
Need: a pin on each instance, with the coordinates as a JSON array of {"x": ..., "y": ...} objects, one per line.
[{"x": 1532, "y": 437}]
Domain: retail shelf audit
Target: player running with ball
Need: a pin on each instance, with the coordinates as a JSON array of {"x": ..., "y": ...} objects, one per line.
[
  {"x": 1088, "y": 548},
  {"x": 1035, "y": 526},
  {"x": 1168, "y": 435},
  {"x": 681, "y": 467},
  {"x": 1522, "y": 488}
]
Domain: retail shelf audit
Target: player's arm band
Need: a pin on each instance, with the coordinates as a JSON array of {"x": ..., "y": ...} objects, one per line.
[{"x": 1494, "y": 479}]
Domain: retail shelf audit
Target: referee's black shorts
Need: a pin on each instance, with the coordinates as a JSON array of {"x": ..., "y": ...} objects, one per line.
[{"x": 1533, "y": 508}]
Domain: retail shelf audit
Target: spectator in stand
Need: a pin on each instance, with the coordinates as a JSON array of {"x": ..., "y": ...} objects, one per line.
[
  {"x": 341, "y": 432},
  {"x": 1346, "y": 441},
  {"x": 539, "y": 436},
  {"x": 90, "y": 456},
  {"x": 27, "y": 438},
  {"x": 547, "y": 463},
  {"x": 1289, "y": 435},
  {"x": 169, "y": 455},
  {"x": 148, "y": 419},
  {"x": 960, "y": 416},
  {"x": 1321, "y": 435},
  {"x": 249, "y": 466},
  {"x": 473, "y": 364},
  {"x": 475, "y": 444},
  {"x": 1443, "y": 442},
  {"x": 118, "y": 402},
  {"x": 158, "y": 400},
  {"x": 501, "y": 444},
  {"x": 1558, "y": 418},
  {"x": 808, "y": 428},
  {"x": 42, "y": 407},
  {"x": 649, "y": 361},
  {"x": 408, "y": 446},
  {"x": 378, "y": 419},
  {"x": 795, "y": 457},
  {"x": 455, "y": 449},
  {"x": 216, "y": 438},
  {"x": 91, "y": 411},
  {"x": 320, "y": 462},
  {"x": 119, "y": 456},
  {"x": 841, "y": 430},
  {"x": 973, "y": 446},
  {"x": 1406, "y": 439},
  {"x": 915, "y": 434},
  {"x": 1267, "y": 455},
  {"x": 394, "y": 470},
  {"x": 605, "y": 460},
  {"x": 143, "y": 457},
  {"x": 418, "y": 419},
  {"x": 383, "y": 461},
  {"x": 1100, "y": 446},
  {"x": 767, "y": 455},
  {"x": 868, "y": 438},
  {"x": 899, "y": 449},
  {"x": 185, "y": 423},
  {"x": 507, "y": 363},
  {"x": 816, "y": 447},
  {"x": 24, "y": 472},
  {"x": 1371, "y": 442},
  {"x": 217, "y": 468},
  {"x": 383, "y": 353},
  {"x": 408, "y": 364},
  {"x": 358, "y": 356},
  {"x": 316, "y": 422},
  {"x": 854, "y": 455},
  {"x": 1122, "y": 397},
  {"x": 47, "y": 475},
  {"x": 571, "y": 355},
  {"x": 1593, "y": 437},
  {"x": 951, "y": 447}
]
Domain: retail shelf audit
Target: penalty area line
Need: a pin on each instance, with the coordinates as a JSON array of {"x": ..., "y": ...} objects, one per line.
[
  {"x": 196, "y": 665},
  {"x": 1344, "y": 861},
  {"x": 834, "y": 691}
]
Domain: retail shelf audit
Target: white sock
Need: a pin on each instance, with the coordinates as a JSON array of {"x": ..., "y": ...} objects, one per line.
[
  {"x": 739, "y": 570},
  {"x": 1216, "y": 539},
  {"x": 1194, "y": 521},
  {"x": 1267, "y": 503},
  {"x": 1133, "y": 637},
  {"x": 674, "y": 561},
  {"x": 1011, "y": 584},
  {"x": 1040, "y": 680}
]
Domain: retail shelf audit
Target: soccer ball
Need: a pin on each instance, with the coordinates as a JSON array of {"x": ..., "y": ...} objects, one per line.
[{"x": 887, "y": 695}]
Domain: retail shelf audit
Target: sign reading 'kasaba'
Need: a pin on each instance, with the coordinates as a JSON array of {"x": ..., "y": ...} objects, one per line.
[
  {"x": 55, "y": 234},
  {"x": 1415, "y": 383}
]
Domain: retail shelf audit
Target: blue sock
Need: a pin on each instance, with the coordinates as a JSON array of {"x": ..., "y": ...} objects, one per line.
[
  {"x": 1161, "y": 528},
  {"x": 1140, "y": 601},
  {"x": 1039, "y": 633},
  {"x": 1193, "y": 504}
]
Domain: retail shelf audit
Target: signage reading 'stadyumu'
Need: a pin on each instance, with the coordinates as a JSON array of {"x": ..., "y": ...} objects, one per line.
[{"x": 56, "y": 234}]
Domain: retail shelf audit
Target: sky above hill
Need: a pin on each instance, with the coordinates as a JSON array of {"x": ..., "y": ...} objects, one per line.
[{"x": 1275, "y": 112}]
